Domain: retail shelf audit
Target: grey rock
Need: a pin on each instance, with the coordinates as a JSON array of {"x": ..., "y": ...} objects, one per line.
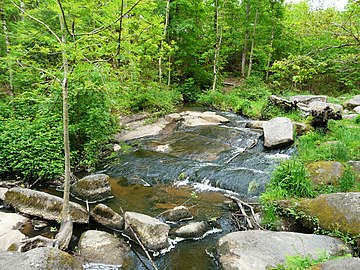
[
  {"x": 357, "y": 109},
  {"x": 355, "y": 165},
  {"x": 319, "y": 106},
  {"x": 107, "y": 217},
  {"x": 307, "y": 99},
  {"x": 152, "y": 232},
  {"x": 255, "y": 124},
  {"x": 354, "y": 102},
  {"x": 249, "y": 250},
  {"x": 43, "y": 205},
  {"x": 178, "y": 213},
  {"x": 192, "y": 230},
  {"x": 95, "y": 187},
  {"x": 39, "y": 259},
  {"x": 103, "y": 248},
  {"x": 10, "y": 236},
  {"x": 173, "y": 117},
  {"x": 278, "y": 132},
  {"x": 193, "y": 119},
  {"x": 2, "y": 193},
  {"x": 337, "y": 264},
  {"x": 350, "y": 116}
]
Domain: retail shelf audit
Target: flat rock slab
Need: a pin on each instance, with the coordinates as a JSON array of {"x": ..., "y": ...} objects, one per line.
[
  {"x": 338, "y": 264},
  {"x": 249, "y": 250},
  {"x": 10, "y": 236},
  {"x": 43, "y": 205},
  {"x": 307, "y": 99},
  {"x": 152, "y": 232},
  {"x": 335, "y": 211},
  {"x": 39, "y": 259},
  {"x": 278, "y": 132},
  {"x": 102, "y": 248}
]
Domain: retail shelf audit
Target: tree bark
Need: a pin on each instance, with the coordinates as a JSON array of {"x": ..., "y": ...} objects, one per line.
[
  {"x": 7, "y": 47},
  {"x": 246, "y": 37},
  {"x": 218, "y": 38},
  {"x": 120, "y": 28},
  {"x": 66, "y": 224},
  {"x": 167, "y": 16},
  {"x": 270, "y": 52},
  {"x": 253, "y": 40}
]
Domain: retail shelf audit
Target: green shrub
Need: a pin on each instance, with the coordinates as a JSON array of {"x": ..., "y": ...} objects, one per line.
[{"x": 31, "y": 150}]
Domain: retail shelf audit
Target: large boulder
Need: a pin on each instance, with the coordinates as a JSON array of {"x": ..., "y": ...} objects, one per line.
[
  {"x": 152, "y": 232},
  {"x": 43, "y": 205},
  {"x": 307, "y": 99},
  {"x": 325, "y": 172},
  {"x": 192, "y": 230},
  {"x": 357, "y": 109},
  {"x": 10, "y": 236},
  {"x": 278, "y": 132},
  {"x": 39, "y": 259},
  {"x": 335, "y": 211},
  {"x": 354, "y": 102},
  {"x": 249, "y": 250},
  {"x": 107, "y": 217},
  {"x": 95, "y": 187},
  {"x": 178, "y": 213},
  {"x": 102, "y": 248},
  {"x": 337, "y": 264}
]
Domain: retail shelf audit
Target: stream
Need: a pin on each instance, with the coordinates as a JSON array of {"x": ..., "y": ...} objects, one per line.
[{"x": 191, "y": 166}]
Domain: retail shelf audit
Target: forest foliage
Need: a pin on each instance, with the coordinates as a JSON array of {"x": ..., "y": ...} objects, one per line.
[{"x": 130, "y": 56}]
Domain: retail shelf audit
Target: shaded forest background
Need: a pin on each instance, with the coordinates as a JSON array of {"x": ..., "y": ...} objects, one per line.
[{"x": 127, "y": 56}]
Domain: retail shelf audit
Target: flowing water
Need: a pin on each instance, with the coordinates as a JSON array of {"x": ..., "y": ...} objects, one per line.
[{"x": 191, "y": 166}]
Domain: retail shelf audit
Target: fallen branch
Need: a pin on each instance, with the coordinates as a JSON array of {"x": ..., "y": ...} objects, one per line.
[{"x": 250, "y": 221}]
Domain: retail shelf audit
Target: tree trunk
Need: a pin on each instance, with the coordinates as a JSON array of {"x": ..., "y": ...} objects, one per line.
[
  {"x": 246, "y": 37},
  {"x": 218, "y": 38},
  {"x": 7, "y": 47},
  {"x": 253, "y": 41},
  {"x": 66, "y": 224},
  {"x": 167, "y": 16},
  {"x": 270, "y": 52},
  {"x": 22, "y": 6},
  {"x": 120, "y": 29}
]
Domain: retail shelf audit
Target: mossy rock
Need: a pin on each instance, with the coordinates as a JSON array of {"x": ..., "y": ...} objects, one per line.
[
  {"x": 93, "y": 188},
  {"x": 107, "y": 217},
  {"x": 325, "y": 172},
  {"x": 43, "y": 205},
  {"x": 336, "y": 211}
]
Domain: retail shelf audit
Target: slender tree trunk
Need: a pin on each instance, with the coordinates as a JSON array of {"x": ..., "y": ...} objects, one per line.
[
  {"x": 246, "y": 37},
  {"x": 22, "y": 6},
  {"x": 218, "y": 38},
  {"x": 167, "y": 16},
  {"x": 270, "y": 51},
  {"x": 66, "y": 224},
  {"x": 7, "y": 47},
  {"x": 120, "y": 28},
  {"x": 253, "y": 41}
]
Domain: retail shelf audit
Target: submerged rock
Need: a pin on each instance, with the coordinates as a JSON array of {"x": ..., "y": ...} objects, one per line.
[
  {"x": 337, "y": 264},
  {"x": 10, "y": 236},
  {"x": 248, "y": 250},
  {"x": 39, "y": 259},
  {"x": 152, "y": 232},
  {"x": 107, "y": 217},
  {"x": 43, "y": 205},
  {"x": 278, "y": 132},
  {"x": 95, "y": 187},
  {"x": 325, "y": 172},
  {"x": 178, "y": 213},
  {"x": 335, "y": 211},
  {"x": 103, "y": 248},
  {"x": 192, "y": 230}
]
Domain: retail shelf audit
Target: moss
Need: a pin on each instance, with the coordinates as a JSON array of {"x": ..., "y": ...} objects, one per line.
[
  {"x": 61, "y": 260},
  {"x": 13, "y": 247}
]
